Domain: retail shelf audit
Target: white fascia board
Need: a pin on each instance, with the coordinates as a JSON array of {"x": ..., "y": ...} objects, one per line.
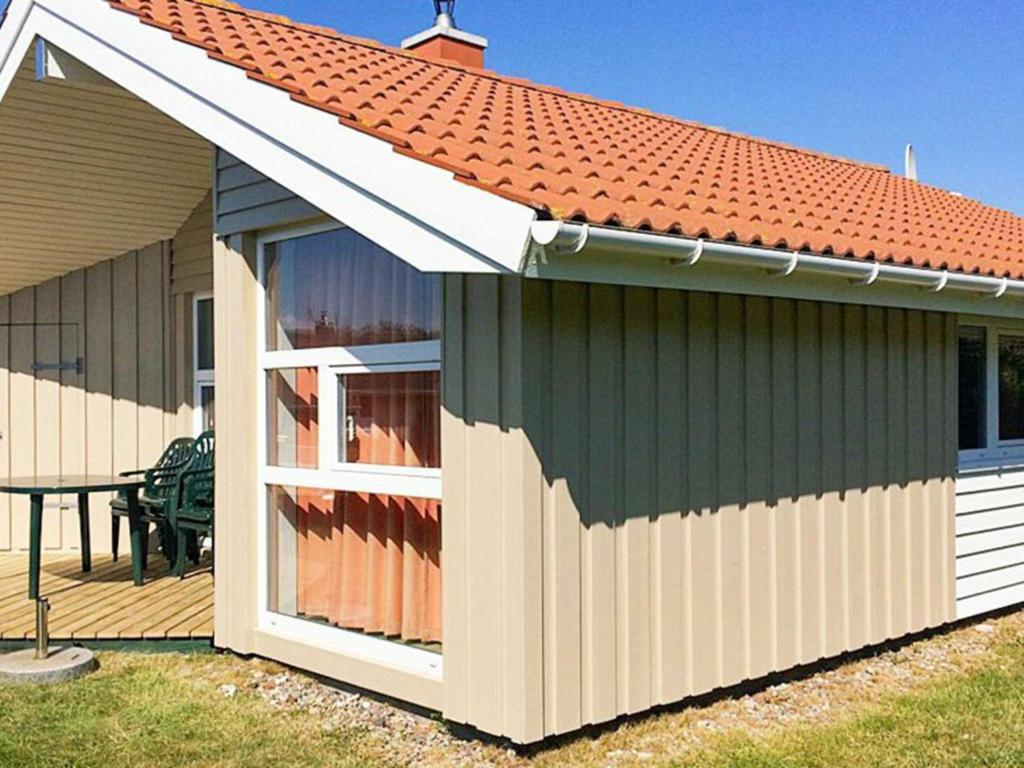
[
  {"x": 15, "y": 42},
  {"x": 415, "y": 210}
]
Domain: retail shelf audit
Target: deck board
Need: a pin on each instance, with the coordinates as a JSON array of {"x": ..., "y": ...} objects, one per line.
[{"x": 104, "y": 604}]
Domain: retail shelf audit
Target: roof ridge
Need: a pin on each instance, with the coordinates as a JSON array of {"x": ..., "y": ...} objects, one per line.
[{"x": 232, "y": 7}]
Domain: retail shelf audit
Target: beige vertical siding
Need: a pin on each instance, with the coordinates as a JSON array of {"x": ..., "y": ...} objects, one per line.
[
  {"x": 237, "y": 489},
  {"x": 118, "y": 415},
  {"x": 650, "y": 494},
  {"x": 192, "y": 257},
  {"x": 191, "y": 268}
]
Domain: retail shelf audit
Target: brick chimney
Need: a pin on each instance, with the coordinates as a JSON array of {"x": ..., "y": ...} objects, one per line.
[{"x": 447, "y": 42}]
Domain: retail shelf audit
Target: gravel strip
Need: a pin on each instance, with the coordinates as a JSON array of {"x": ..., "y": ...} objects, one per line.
[{"x": 412, "y": 739}]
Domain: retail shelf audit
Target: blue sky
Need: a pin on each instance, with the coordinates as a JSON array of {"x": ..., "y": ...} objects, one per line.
[{"x": 858, "y": 79}]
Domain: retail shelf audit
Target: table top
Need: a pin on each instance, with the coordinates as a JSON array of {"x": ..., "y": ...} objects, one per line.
[{"x": 41, "y": 484}]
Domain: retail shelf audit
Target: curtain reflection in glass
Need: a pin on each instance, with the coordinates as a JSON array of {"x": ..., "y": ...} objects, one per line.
[
  {"x": 391, "y": 418},
  {"x": 337, "y": 289},
  {"x": 292, "y": 418}
]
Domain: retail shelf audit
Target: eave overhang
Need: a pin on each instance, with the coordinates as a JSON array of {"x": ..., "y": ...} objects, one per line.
[{"x": 414, "y": 209}]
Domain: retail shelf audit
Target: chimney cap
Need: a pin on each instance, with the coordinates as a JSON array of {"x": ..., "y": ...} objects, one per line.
[
  {"x": 446, "y": 41},
  {"x": 452, "y": 33}
]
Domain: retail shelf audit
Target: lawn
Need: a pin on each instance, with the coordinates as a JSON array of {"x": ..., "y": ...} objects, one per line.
[
  {"x": 181, "y": 710},
  {"x": 160, "y": 711}
]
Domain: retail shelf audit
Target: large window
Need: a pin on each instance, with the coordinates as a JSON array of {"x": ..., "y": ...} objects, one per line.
[
  {"x": 991, "y": 391},
  {"x": 352, "y": 455}
]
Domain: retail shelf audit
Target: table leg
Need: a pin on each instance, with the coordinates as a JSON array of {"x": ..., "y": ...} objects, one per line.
[
  {"x": 83, "y": 531},
  {"x": 35, "y": 544},
  {"x": 135, "y": 529}
]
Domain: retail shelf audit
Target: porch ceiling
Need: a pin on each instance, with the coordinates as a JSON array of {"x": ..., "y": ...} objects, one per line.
[{"x": 88, "y": 172}]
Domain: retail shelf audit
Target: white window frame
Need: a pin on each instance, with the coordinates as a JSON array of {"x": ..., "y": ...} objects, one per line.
[
  {"x": 332, "y": 474},
  {"x": 996, "y": 452},
  {"x": 205, "y": 377}
]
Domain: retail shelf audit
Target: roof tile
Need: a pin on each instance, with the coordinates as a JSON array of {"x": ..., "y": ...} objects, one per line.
[{"x": 575, "y": 157}]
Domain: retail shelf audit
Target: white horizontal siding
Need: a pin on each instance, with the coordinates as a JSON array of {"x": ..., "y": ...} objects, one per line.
[{"x": 989, "y": 539}]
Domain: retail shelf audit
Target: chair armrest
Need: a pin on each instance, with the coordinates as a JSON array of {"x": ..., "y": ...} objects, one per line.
[
  {"x": 190, "y": 479},
  {"x": 159, "y": 475},
  {"x": 132, "y": 472},
  {"x": 197, "y": 472}
]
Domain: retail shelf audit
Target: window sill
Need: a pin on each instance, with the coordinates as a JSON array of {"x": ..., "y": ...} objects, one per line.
[{"x": 989, "y": 459}]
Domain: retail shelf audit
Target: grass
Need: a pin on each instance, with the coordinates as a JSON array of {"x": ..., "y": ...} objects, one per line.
[
  {"x": 973, "y": 719},
  {"x": 142, "y": 710},
  {"x": 977, "y": 720},
  {"x": 163, "y": 711}
]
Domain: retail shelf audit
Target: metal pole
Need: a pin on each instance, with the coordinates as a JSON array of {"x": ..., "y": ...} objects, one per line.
[{"x": 42, "y": 628}]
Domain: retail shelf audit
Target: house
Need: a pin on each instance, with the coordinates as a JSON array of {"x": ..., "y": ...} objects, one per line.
[{"x": 696, "y": 406}]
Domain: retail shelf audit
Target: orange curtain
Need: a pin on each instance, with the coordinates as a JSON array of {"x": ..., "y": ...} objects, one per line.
[{"x": 372, "y": 562}]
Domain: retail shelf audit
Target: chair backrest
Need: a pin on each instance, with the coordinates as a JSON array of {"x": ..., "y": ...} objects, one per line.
[
  {"x": 160, "y": 479},
  {"x": 203, "y": 452},
  {"x": 199, "y": 481},
  {"x": 176, "y": 454}
]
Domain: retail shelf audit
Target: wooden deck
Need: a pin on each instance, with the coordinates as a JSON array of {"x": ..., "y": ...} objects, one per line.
[{"x": 104, "y": 604}]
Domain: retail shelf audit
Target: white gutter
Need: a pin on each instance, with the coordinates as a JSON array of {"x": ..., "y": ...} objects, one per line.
[{"x": 570, "y": 238}]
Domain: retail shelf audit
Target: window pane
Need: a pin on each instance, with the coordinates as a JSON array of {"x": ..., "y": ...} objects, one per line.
[
  {"x": 1011, "y": 388},
  {"x": 366, "y": 562},
  {"x": 339, "y": 289},
  {"x": 204, "y": 335},
  {"x": 292, "y": 418},
  {"x": 206, "y": 406},
  {"x": 391, "y": 418},
  {"x": 972, "y": 388}
]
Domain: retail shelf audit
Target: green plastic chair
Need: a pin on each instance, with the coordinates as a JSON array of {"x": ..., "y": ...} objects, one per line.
[
  {"x": 193, "y": 517},
  {"x": 161, "y": 481}
]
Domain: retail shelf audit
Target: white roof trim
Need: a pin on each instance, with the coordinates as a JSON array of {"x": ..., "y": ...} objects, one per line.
[{"x": 415, "y": 210}]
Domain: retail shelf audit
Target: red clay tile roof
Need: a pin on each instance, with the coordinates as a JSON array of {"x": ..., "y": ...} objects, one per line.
[{"x": 574, "y": 157}]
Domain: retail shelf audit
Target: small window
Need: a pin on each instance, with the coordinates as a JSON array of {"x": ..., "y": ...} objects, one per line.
[
  {"x": 204, "y": 334},
  {"x": 206, "y": 408},
  {"x": 991, "y": 392},
  {"x": 1011, "y": 388},
  {"x": 972, "y": 388},
  {"x": 203, "y": 362}
]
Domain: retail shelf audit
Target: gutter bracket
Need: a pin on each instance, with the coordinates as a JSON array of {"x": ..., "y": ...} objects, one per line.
[
  {"x": 940, "y": 283},
  {"x": 693, "y": 258},
  {"x": 536, "y": 255},
  {"x": 789, "y": 269},
  {"x": 876, "y": 268}
]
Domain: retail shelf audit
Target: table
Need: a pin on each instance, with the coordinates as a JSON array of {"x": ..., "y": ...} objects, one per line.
[{"x": 81, "y": 485}]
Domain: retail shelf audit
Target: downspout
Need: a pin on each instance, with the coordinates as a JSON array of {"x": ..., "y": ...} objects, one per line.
[{"x": 571, "y": 238}]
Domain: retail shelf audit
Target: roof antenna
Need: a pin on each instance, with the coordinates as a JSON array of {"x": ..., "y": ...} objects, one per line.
[
  {"x": 445, "y": 10},
  {"x": 910, "y": 163}
]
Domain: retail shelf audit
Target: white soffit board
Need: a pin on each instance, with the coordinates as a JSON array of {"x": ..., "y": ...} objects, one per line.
[
  {"x": 89, "y": 171},
  {"x": 415, "y": 210}
]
